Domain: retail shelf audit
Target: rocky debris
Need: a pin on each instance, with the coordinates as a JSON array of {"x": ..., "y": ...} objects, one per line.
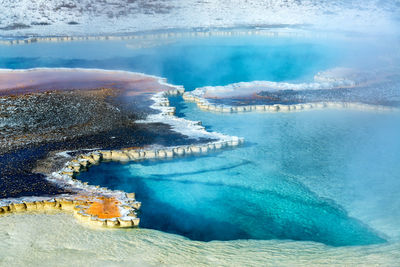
[{"x": 56, "y": 116}]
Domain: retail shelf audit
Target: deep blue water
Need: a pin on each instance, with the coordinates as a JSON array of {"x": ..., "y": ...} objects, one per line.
[
  {"x": 304, "y": 176},
  {"x": 327, "y": 176}
]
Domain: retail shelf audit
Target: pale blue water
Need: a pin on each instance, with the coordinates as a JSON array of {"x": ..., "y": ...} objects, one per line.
[{"x": 327, "y": 176}]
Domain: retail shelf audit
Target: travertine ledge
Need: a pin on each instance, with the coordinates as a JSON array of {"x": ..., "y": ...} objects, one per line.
[
  {"x": 95, "y": 211},
  {"x": 205, "y": 105}
]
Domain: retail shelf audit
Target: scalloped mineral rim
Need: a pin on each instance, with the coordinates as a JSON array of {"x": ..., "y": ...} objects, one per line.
[
  {"x": 101, "y": 206},
  {"x": 326, "y": 80},
  {"x": 205, "y": 105}
]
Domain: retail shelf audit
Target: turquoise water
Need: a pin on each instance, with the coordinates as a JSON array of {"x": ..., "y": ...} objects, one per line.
[
  {"x": 191, "y": 63},
  {"x": 326, "y": 176}
]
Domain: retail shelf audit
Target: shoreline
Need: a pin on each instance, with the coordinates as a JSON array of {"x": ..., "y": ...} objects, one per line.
[{"x": 271, "y": 96}]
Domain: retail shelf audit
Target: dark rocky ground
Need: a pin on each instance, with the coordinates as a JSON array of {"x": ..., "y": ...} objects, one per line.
[{"x": 33, "y": 125}]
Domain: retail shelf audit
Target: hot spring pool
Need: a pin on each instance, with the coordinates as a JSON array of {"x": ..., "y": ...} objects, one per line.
[{"x": 327, "y": 176}]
